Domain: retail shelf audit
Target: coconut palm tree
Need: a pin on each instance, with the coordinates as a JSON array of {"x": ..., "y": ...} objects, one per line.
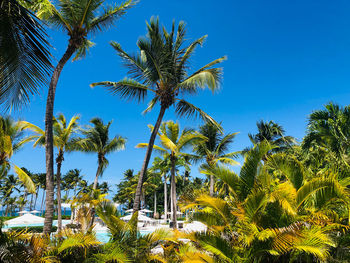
[
  {"x": 11, "y": 140},
  {"x": 98, "y": 141},
  {"x": 161, "y": 68},
  {"x": 215, "y": 149},
  {"x": 63, "y": 135},
  {"x": 24, "y": 56},
  {"x": 79, "y": 19},
  {"x": 329, "y": 129},
  {"x": 274, "y": 134},
  {"x": 174, "y": 143}
]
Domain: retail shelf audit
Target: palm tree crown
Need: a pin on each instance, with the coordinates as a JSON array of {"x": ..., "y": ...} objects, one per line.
[{"x": 97, "y": 140}]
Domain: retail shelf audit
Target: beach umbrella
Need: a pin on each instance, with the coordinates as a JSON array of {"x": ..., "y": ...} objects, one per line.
[
  {"x": 65, "y": 205},
  {"x": 23, "y": 212},
  {"x": 25, "y": 219},
  {"x": 177, "y": 212},
  {"x": 146, "y": 211},
  {"x": 141, "y": 218},
  {"x": 35, "y": 212}
]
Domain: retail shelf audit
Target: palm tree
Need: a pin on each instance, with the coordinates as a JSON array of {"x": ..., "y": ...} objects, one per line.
[
  {"x": 78, "y": 19},
  {"x": 329, "y": 129},
  {"x": 11, "y": 133},
  {"x": 274, "y": 134},
  {"x": 174, "y": 143},
  {"x": 272, "y": 210},
  {"x": 24, "y": 56},
  {"x": 63, "y": 135},
  {"x": 97, "y": 141},
  {"x": 214, "y": 149},
  {"x": 161, "y": 67}
]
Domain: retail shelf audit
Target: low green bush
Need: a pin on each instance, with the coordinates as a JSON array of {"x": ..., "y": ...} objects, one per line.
[{"x": 32, "y": 229}]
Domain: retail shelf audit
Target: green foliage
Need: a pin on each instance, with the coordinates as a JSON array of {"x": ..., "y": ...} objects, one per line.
[{"x": 31, "y": 229}]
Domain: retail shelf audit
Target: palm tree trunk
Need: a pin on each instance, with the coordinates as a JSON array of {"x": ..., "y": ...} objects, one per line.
[
  {"x": 49, "y": 202},
  {"x": 36, "y": 197},
  {"x": 146, "y": 161},
  {"x": 155, "y": 203},
  {"x": 173, "y": 191},
  {"x": 31, "y": 202},
  {"x": 42, "y": 201},
  {"x": 59, "y": 161},
  {"x": 211, "y": 186},
  {"x": 165, "y": 199},
  {"x": 97, "y": 175},
  {"x": 98, "y": 172}
]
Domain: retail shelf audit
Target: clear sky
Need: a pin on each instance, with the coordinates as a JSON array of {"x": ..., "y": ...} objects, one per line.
[{"x": 285, "y": 59}]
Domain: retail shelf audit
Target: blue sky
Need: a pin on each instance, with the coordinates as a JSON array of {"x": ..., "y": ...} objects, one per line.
[{"x": 285, "y": 59}]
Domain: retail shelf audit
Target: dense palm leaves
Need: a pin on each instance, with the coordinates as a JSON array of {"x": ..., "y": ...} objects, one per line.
[
  {"x": 24, "y": 56},
  {"x": 272, "y": 210},
  {"x": 161, "y": 67},
  {"x": 274, "y": 134},
  {"x": 328, "y": 129},
  {"x": 79, "y": 19},
  {"x": 11, "y": 133}
]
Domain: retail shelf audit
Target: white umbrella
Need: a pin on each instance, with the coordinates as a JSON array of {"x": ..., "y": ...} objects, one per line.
[
  {"x": 25, "y": 219},
  {"x": 177, "y": 212},
  {"x": 146, "y": 211},
  {"x": 65, "y": 205},
  {"x": 140, "y": 218},
  {"x": 35, "y": 212},
  {"x": 23, "y": 212}
]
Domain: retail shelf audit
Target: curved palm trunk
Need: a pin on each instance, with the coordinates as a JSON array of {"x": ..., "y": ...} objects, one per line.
[
  {"x": 98, "y": 172},
  {"x": 49, "y": 202},
  {"x": 138, "y": 192},
  {"x": 165, "y": 199},
  {"x": 173, "y": 192},
  {"x": 59, "y": 161}
]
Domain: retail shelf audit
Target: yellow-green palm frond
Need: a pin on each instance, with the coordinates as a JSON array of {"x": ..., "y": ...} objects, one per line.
[
  {"x": 78, "y": 242},
  {"x": 25, "y": 179}
]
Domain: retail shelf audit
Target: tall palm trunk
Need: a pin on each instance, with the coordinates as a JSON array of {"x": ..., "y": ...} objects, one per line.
[
  {"x": 138, "y": 192},
  {"x": 59, "y": 161},
  {"x": 155, "y": 204},
  {"x": 36, "y": 196},
  {"x": 165, "y": 199},
  {"x": 173, "y": 191},
  {"x": 42, "y": 201},
  {"x": 49, "y": 202},
  {"x": 31, "y": 202},
  {"x": 98, "y": 172},
  {"x": 211, "y": 186}
]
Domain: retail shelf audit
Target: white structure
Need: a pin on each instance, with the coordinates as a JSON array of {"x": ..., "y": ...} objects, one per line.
[
  {"x": 141, "y": 218},
  {"x": 25, "y": 219}
]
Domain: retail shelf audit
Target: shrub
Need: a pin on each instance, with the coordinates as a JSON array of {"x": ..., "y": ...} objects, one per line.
[{"x": 32, "y": 229}]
